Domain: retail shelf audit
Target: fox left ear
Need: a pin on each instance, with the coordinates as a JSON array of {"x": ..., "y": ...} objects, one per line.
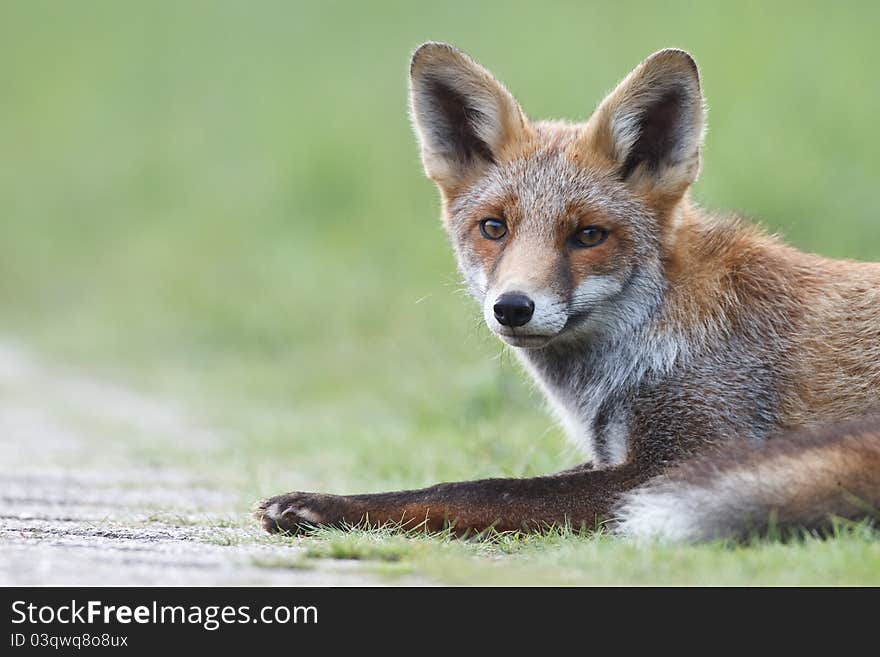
[{"x": 651, "y": 126}]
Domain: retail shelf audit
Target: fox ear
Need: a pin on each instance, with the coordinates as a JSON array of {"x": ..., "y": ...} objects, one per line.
[
  {"x": 463, "y": 117},
  {"x": 651, "y": 126}
]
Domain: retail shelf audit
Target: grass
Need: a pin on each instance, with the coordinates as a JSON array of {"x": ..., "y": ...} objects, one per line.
[
  {"x": 224, "y": 205},
  {"x": 564, "y": 557}
]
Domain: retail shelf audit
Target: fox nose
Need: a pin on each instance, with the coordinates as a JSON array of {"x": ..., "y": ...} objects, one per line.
[{"x": 513, "y": 309}]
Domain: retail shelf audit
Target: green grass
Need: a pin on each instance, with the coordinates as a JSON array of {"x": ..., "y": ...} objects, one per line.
[
  {"x": 564, "y": 557},
  {"x": 222, "y": 203}
]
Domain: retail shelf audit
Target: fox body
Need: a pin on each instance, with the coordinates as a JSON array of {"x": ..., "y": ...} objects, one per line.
[{"x": 718, "y": 380}]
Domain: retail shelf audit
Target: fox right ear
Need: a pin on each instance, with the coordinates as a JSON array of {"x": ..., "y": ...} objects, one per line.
[{"x": 463, "y": 117}]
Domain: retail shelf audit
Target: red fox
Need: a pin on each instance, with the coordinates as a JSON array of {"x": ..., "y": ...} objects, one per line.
[{"x": 722, "y": 383}]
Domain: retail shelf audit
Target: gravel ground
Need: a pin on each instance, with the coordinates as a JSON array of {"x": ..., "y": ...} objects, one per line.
[{"x": 75, "y": 511}]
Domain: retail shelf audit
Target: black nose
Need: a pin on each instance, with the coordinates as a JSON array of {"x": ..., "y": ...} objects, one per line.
[{"x": 513, "y": 309}]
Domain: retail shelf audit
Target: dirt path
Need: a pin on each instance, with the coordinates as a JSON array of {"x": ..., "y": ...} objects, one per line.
[{"x": 76, "y": 511}]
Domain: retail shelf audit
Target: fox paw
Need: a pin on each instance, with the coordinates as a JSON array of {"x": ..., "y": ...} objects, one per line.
[{"x": 296, "y": 513}]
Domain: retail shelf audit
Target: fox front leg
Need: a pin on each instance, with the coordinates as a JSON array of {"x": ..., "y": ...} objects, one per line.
[{"x": 581, "y": 498}]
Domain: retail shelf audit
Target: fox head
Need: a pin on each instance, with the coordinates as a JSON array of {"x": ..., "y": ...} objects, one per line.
[{"x": 559, "y": 229}]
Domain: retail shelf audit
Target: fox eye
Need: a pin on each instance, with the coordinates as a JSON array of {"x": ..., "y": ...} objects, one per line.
[
  {"x": 590, "y": 236},
  {"x": 493, "y": 229}
]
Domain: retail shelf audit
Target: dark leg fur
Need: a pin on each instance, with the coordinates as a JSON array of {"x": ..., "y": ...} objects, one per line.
[{"x": 581, "y": 497}]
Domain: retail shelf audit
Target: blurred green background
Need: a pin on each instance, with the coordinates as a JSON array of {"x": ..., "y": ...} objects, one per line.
[{"x": 223, "y": 202}]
